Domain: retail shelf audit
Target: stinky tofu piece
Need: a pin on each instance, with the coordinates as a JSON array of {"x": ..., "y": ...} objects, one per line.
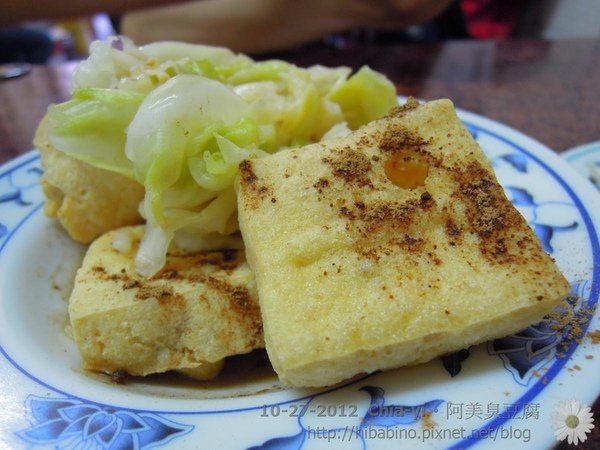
[
  {"x": 86, "y": 200},
  {"x": 200, "y": 308},
  {"x": 387, "y": 248}
]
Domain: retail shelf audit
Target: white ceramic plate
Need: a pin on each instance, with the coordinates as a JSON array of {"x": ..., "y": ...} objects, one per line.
[
  {"x": 503, "y": 396},
  {"x": 586, "y": 160}
]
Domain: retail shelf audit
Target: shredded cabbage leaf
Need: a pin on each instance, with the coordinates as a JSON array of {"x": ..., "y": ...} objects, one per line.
[{"x": 179, "y": 118}]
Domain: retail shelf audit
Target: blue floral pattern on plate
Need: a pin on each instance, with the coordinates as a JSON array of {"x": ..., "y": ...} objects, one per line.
[
  {"x": 586, "y": 160},
  {"x": 526, "y": 353},
  {"x": 377, "y": 415},
  {"x": 19, "y": 185},
  {"x": 70, "y": 424},
  {"x": 19, "y": 188},
  {"x": 523, "y": 200}
]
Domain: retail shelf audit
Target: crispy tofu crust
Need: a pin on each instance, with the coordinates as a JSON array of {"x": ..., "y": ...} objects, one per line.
[
  {"x": 199, "y": 309},
  {"x": 388, "y": 248},
  {"x": 86, "y": 200}
]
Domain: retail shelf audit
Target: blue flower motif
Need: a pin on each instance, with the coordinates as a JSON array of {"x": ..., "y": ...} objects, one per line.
[
  {"x": 15, "y": 195},
  {"x": 529, "y": 350},
  {"x": 523, "y": 200},
  {"x": 519, "y": 196},
  {"x": 18, "y": 183},
  {"x": 68, "y": 423},
  {"x": 517, "y": 160},
  {"x": 546, "y": 232},
  {"x": 524, "y": 350},
  {"x": 294, "y": 442},
  {"x": 381, "y": 415},
  {"x": 453, "y": 361},
  {"x": 377, "y": 415}
]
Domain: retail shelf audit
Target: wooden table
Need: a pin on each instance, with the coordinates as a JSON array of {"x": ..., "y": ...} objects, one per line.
[{"x": 549, "y": 90}]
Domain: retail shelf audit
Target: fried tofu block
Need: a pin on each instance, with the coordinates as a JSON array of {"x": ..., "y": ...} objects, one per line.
[
  {"x": 86, "y": 200},
  {"x": 387, "y": 248},
  {"x": 200, "y": 308}
]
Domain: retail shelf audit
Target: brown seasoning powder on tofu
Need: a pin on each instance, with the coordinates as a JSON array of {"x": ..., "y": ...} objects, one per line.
[
  {"x": 398, "y": 111},
  {"x": 487, "y": 215},
  {"x": 490, "y": 216},
  {"x": 164, "y": 295},
  {"x": 353, "y": 166},
  {"x": 254, "y": 192},
  {"x": 398, "y": 139},
  {"x": 370, "y": 218},
  {"x": 241, "y": 304}
]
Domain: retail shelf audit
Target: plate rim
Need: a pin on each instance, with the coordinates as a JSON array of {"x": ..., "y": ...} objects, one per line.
[{"x": 581, "y": 151}]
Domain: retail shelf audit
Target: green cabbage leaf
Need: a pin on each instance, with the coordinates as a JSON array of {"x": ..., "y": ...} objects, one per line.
[{"x": 179, "y": 118}]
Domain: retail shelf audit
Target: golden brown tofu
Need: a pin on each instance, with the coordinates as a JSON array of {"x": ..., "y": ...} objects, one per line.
[
  {"x": 387, "y": 248},
  {"x": 200, "y": 308},
  {"x": 86, "y": 200}
]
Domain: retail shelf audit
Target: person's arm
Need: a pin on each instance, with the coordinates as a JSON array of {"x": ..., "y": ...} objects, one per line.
[
  {"x": 14, "y": 11},
  {"x": 266, "y": 25}
]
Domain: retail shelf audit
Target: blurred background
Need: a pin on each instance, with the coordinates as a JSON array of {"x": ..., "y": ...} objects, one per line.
[{"x": 48, "y": 42}]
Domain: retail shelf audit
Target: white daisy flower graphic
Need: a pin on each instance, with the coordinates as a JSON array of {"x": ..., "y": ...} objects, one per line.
[{"x": 572, "y": 420}]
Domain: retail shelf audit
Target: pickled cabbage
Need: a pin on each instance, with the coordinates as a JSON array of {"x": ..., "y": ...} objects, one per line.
[{"x": 179, "y": 118}]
